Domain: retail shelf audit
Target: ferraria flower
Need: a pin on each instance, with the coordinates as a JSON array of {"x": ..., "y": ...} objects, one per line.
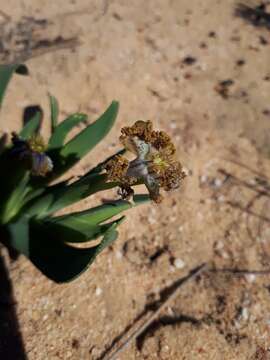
[
  {"x": 155, "y": 164},
  {"x": 32, "y": 152}
]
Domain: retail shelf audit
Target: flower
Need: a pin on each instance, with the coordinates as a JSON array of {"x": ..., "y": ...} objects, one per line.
[
  {"x": 32, "y": 152},
  {"x": 155, "y": 164}
]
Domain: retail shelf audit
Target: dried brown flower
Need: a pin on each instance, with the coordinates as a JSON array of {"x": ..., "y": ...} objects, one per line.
[{"x": 155, "y": 163}]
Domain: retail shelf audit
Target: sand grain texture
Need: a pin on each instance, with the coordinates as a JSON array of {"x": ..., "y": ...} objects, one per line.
[{"x": 201, "y": 74}]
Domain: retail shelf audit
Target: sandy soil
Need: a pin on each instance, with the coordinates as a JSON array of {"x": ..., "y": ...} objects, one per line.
[{"x": 202, "y": 74}]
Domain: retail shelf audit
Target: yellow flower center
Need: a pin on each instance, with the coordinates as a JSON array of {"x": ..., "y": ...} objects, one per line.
[
  {"x": 36, "y": 143},
  {"x": 160, "y": 162}
]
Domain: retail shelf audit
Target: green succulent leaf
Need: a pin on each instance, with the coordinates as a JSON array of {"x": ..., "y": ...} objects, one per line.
[
  {"x": 81, "y": 144},
  {"x": 54, "y": 112},
  {"x": 57, "y": 260},
  {"x": 38, "y": 189},
  {"x": 14, "y": 194},
  {"x": 71, "y": 233},
  {"x": 6, "y": 72},
  {"x": 90, "y": 223},
  {"x": 61, "y": 262},
  {"x": 58, "y": 197},
  {"x": 31, "y": 127},
  {"x": 75, "y": 149},
  {"x": 44, "y": 242},
  {"x": 18, "y": 235},
  {"x": 94, "y": 216},
  {"x": 61, "y": 131}
]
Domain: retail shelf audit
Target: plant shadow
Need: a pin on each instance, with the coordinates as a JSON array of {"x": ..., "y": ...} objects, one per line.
[
  {"x": 165, "y": 321},
  {"x": 30, "y": 112},
  {"x": 11, "y": 343}
]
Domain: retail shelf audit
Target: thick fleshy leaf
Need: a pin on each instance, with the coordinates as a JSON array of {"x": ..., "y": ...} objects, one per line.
[
  {"x": 94, "y": 216},
  {"x": 58, "y": 197},
  {"x": 87, "y": 222},
  {"x": 14, "y": 195},
  {"x": 61, "y": 262},
  {"x": 18, "y": 235},
  {"x": 54, "y": 112},
  {"x": 6, "y": 72},
  {"x": 48, "y": 250},
  {"x": 38, "y": 189},
  {"x": 57, "y": 260},
  {"x": 31, "y": 127},
  {"x": 75, "y": 149},
  {"x": 81, "y": 144},
  {"x": 61, "y": 131},
  {"x": 76, "y": 234}
]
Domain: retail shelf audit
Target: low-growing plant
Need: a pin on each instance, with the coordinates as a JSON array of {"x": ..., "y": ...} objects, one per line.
[{"x": 30, "y": 195}]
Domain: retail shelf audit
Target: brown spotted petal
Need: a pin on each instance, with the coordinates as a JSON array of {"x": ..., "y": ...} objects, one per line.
[
  {"x": 172, "y": 176},
  {"x": 141, "y": 129},
  {"x": 116, "y": 168},
  {"x": 162, "y": 142}
]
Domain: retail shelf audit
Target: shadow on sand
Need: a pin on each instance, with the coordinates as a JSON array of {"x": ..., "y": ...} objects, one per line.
[{"x": 11, "y": 344}]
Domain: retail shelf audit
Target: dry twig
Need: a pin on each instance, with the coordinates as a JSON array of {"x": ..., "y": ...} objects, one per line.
[{"x": 153, "y": 317}]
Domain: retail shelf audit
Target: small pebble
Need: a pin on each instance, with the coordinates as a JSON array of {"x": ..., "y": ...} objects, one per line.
[
  {"x": 203, "y": 179},
  {"x": 225, "y": 255},
  {"x": 221, "y": 198},
  {"x": 98, "y": 291},
  {"x": 170, "y": 311},
  {"x": 119, "y": 255},
  {"x": 173, "y": 125},
  {"x": 217, "y": 183},
  {"x": 187, "y": 171},
  {"x": 250, "y": 278},
  {"x": 151, "y": 220},
  {"x": 179, "y": 263},
  {"x": 245, "y": 314},
  {"x": 219, "y": 245}
]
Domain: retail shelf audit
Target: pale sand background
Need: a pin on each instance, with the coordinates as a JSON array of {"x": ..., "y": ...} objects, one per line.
[{"x": 133, "y": 51}]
